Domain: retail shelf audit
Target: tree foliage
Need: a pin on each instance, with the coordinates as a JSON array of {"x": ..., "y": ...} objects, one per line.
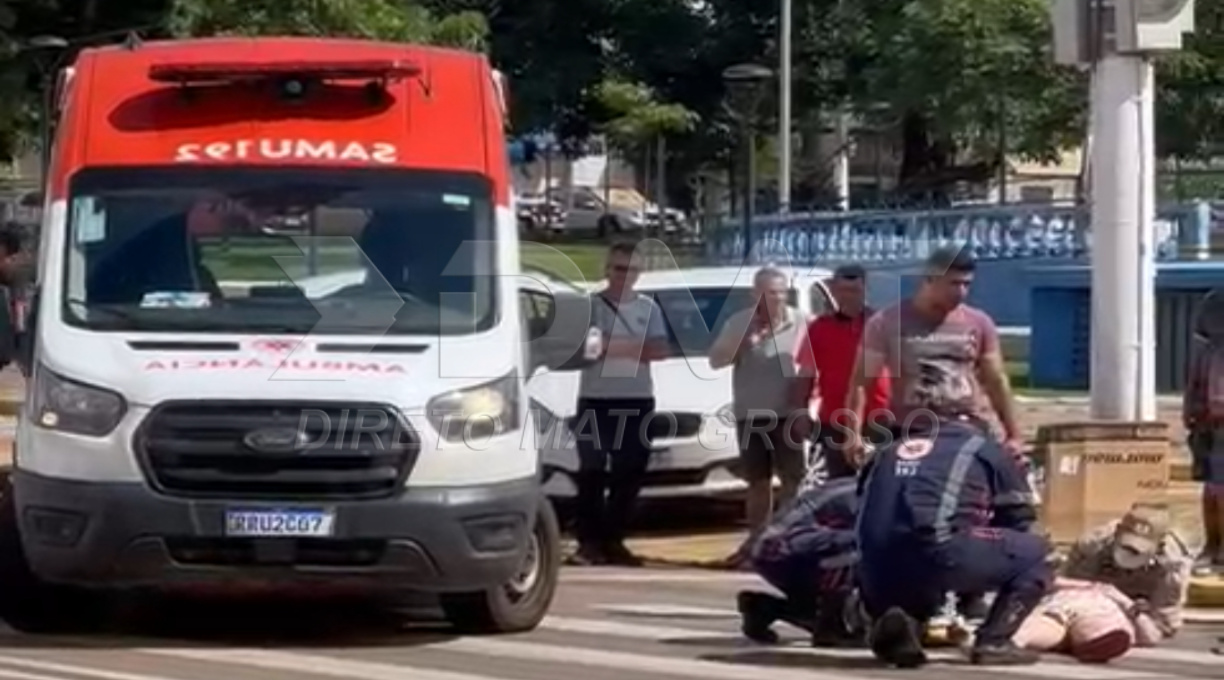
[
  {"x": 965, "y": 82},
  {"x": 636, "y": 117},
  {"x": 370, "y": 19},
  {"x": 1190, "y": 90},
  {"x": 956, "y": 83}
]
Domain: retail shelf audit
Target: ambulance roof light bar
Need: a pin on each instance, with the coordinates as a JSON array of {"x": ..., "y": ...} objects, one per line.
[{"x": 201, "y": 73}]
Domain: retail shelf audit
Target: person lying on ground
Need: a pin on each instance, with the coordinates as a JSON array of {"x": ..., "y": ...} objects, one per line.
[
  {"x": 807, "y": 552},
  {"x": 1086, "y": 620},
  {"x": 1145, "y": 561}
]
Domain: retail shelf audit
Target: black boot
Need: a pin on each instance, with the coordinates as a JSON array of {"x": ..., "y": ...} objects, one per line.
[
  {"x": 758, "y": 611},
  {"x": 896, "y": 640},
  {"x": 972, "y": 606},
  {"x": 1002, "y": 654},
  {"x": 830, "y": 629},
  {"x": 993, "y": 645}
]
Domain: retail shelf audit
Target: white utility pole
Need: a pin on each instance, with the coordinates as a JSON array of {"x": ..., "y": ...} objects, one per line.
[
  {"x": 1117, "y": 38},
  {"x": 1122, "y": 187},
  {"x": 841, "y": 136},
  {"x": 841, "y": 161},
  {"x": 784, "y": 106}
]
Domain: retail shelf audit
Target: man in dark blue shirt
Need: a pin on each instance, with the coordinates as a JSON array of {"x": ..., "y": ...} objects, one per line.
[
  {"x": 941, "y": 511},
  {"x": 808, "y": 553}
]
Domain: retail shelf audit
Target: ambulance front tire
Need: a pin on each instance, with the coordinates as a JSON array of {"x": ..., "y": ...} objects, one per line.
[
  {"x": 521, "y": 604},
  {"x": 29, "y": 604}
]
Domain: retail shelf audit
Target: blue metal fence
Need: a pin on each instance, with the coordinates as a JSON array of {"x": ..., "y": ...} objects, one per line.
[
  {"x": 1002, "y": 233},
  {"x": 1033, "y": 268}
]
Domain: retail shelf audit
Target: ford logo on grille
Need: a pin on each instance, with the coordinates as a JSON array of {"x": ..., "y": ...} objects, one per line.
[{"x": 276, "y": 440}]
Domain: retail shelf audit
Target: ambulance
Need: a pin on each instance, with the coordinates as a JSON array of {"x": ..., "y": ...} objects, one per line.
[{"x": 197, "y": 419}]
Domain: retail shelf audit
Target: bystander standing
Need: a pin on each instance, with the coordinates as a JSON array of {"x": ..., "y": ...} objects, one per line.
[
  {"x": 1203, "y": 416},
  {"x": 826, "y": 360},
  {"x": 615, "y": 406},
  {"x": 759, "y": 343},
  {"x": 16, "y": 279}
]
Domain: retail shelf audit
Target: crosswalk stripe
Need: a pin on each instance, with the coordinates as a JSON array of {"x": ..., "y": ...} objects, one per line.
[
  {"x": 314, "y": 664},
  {"x": 52, "y": 667},
  {"x": 638, "y": 576},
  {"x": 638, "y": 663},
  {"x": 667, "y": 610},
  {"x": 23, "y": 675},
  {"x": 673, "y": 633},
  {"x": 955, "y": 661}
]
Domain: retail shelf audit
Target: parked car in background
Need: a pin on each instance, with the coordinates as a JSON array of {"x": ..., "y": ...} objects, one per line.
[
  {"x": 536, "y": 213},
  {"x": 695, "y": 453},
  {"x": 616, "y": 210}
]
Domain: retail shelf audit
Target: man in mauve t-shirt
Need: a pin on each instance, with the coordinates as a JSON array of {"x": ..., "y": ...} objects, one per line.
[
  {"x": 943, "y": 356},
  {"x": 944, "y": 362}
]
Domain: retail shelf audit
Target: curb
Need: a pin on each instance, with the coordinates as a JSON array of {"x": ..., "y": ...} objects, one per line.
[{"x": 1206, "y": 592}]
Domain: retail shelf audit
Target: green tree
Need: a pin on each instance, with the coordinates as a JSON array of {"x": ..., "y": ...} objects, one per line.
[
  {"x": 1190, "y": 90},
  {"x": 965, "y": 81},
  {"x": 634, "y": 116},
  {"x": 399, "y": 21}
]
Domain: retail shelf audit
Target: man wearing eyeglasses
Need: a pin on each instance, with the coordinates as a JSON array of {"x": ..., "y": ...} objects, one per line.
[{"x": 615, "y": 406}]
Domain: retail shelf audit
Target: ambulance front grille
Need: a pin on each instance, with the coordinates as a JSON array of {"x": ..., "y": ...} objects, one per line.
[{"x": 236, "y": 450}]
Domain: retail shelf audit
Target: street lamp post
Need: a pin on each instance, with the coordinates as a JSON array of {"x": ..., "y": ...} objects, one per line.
[
  {"x": 745, "y": 89},
  {"x": 786, "y": 28}
]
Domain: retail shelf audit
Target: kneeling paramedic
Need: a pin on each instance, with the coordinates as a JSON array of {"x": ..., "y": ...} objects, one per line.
[
  {"x": 948, "y": 510},
  {"x": 808, "y": 553}
]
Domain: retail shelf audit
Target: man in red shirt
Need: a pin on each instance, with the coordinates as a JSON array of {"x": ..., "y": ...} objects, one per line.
[{"x": 826, "y": 362}]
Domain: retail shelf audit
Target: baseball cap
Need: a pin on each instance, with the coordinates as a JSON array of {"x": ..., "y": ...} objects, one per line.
[{"x": 1139, "y": 534}]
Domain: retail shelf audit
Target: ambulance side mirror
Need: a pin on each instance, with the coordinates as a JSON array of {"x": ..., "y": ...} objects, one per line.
[{"x": 557, "y": 346}]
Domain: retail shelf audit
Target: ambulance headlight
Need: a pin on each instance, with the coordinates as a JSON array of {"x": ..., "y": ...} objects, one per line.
[
  {"x": 477, "y": 413},
  {"x": 58, "y": 403}
]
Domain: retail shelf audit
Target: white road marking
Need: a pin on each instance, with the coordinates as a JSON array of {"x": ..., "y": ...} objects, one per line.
[
  {"x": 668, "y": 576},
  {"x": 313, "y": 664},
  {"x": 644, "y": 664},
  {"x": 22, "y": 675},
  {"x": 52, "y": 667},
  {"x": 635, "y": 631},
  {"x": 955, "y": 661},
  {"x": 667, "y": 610}
]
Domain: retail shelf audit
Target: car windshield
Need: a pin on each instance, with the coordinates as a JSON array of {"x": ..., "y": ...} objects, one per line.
[
  {"x": 280, "y": 250},
  {"x": 695, "y": 316}
]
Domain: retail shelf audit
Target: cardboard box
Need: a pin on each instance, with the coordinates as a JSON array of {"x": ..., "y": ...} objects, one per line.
[{"x": 1095, "y": 471}]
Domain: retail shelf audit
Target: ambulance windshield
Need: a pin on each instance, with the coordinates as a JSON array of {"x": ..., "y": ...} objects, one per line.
[{"x": 242, "y": 249}]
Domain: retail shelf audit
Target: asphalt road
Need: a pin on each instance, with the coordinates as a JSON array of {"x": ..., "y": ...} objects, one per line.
[{"x": 605, "y": 625}]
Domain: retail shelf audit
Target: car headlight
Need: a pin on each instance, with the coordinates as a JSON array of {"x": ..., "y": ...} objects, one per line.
[
  {"x": 58, "y": 403},
  {"x": 477, "y": 412}
]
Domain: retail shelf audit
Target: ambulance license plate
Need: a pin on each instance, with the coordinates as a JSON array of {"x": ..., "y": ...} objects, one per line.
[{"x": 264, "y": 523}]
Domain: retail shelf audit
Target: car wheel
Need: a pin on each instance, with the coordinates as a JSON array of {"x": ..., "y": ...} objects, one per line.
[
  {"x": 520, "y": 604},
  {"x": 29, "y": 604}
]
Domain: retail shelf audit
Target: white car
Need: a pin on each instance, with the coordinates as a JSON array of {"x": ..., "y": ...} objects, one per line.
[{"x": 700, "y": 458}]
